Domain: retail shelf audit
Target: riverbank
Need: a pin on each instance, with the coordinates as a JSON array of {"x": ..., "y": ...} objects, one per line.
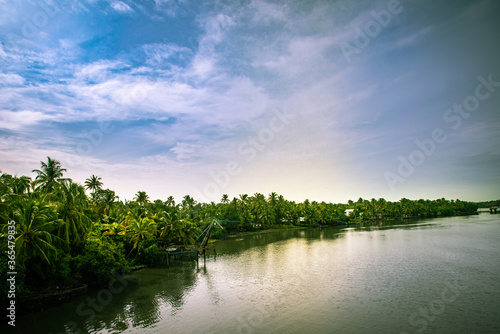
[
  {"x": 257, "y": 232},
  {"x": 49, "y": 297}
]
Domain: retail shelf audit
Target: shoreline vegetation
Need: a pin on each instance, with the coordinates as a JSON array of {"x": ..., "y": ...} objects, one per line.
[{"x": 69, "y": 236}]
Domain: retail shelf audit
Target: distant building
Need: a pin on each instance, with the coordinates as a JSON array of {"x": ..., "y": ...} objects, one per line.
[{"x": 348, "y": 212}]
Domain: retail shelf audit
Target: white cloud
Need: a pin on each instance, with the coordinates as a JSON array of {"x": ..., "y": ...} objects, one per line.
[
  {"x": 122, "y": 7},
  {"x": 414, "y": 38},
  {"x": 186, "y": 151},
  {"x": 3, "y": 54},
  {"x": 97, "y": 71},
  {"x": 304, "y": 55},
  {"x": 159, "y": 53},
  {"x": 266, "y": 12},
  {"x": 11, "y": 79},
  {"x": 14, "y": 120},
  {"x": 196, "y": 106}
]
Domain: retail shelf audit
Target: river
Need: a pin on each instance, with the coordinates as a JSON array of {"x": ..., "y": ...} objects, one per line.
[{"x": 429, "y": 276}]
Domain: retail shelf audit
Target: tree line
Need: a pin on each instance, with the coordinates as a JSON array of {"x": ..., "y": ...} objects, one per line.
[{"x": 68, "y": 232}]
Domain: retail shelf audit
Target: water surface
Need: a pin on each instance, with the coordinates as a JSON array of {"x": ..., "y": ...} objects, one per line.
[{"x": 429, "y": 276}]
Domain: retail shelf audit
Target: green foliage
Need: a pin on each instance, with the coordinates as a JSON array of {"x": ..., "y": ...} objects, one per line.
[
  {"x": 35, "y": 238},
  {"x": 99, "y": 260},
  {"x": 93, "y": 183},
  {"x": 218, "y": 233},
  {"x": 150, "y": 253},
  {"x": 488, "y": 204},
  {"x": 62, "y": 234},
  {"x": 49, "y": 175},
  {"x": 70, "y": 208}
]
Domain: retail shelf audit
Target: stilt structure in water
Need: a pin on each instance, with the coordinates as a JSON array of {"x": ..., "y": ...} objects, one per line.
[{"x": 202, "y": 247}]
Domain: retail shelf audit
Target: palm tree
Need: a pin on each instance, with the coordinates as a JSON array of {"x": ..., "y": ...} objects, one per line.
[
  {"x": 244, "y": 198},
  {"x": 93, "y": 183},
  {"x": 188, "y": 233},
  {"x": 49, "y": 175},
  {"x": 169, "y": 228},
  {"x": 71, "y": 201},
  {"x": 188, "y": 202},
  {"x": 224, "y": 199},
  {"x": 35, "y": 239},
  {"x": 21, "y": 185},
  {"x": 141, "y": 230},
  {"x": 113, "y": 229},
  {"x": 170, "y": 201},
  {"x": 141, "y": 197},
  {"x": 107, "y": 200}
]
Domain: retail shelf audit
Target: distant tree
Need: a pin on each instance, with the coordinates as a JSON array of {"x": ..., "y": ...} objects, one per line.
[
  {"x": 106, "y": 200},
  {"x": 170, "y": 201},
  {"x": 141, "y": 197},
  {"x": 21, "y": 185},
  {"x": 93, "y": 183},
  {"x": 49, "y": 175},
  {"x": 188, "y": 202}
]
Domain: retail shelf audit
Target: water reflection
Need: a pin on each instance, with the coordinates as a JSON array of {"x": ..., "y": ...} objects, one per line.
[
  {"x": 358, "y": 279},
  {"x": 140, "y": 304}
]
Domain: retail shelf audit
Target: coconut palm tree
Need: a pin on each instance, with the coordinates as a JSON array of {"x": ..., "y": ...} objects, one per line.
[
  {"x": 188, "y": 233},
  {"x": 21, "y": 185},
  {"x": 168, "y": 229},
  {"x": 93, "y": 183},
  {"x": 140, "y": 230},
  {"x": 35, "y": 239},
  {"x": 170, "y": 201},
  {"x": 49, "y": 175},
  {"x": 71, "y": 200},
  {"x": 188, "y": 202},
  {"x": 141, "y": 197},
  {"x": 107, "y": 200}
]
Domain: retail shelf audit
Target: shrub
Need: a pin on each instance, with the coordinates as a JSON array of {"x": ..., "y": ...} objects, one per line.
[
  {"x": 150, "y": 255},
  {"x": 99, "y": 260}
]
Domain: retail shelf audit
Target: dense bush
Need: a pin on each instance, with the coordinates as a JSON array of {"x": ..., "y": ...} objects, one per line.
[
  {"x": 150, "y": 254},
  {"x": 99, "y": 260}
]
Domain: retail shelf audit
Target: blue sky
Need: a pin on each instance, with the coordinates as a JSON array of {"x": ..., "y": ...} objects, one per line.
[{"x": 325, "y": 100}]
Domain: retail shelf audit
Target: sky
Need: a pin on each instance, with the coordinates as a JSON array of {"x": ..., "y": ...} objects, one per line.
[{"x": 319, "y": 100}]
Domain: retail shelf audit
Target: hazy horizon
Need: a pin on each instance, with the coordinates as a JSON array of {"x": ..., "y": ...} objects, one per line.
[{"x": 327, "y": 101}]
